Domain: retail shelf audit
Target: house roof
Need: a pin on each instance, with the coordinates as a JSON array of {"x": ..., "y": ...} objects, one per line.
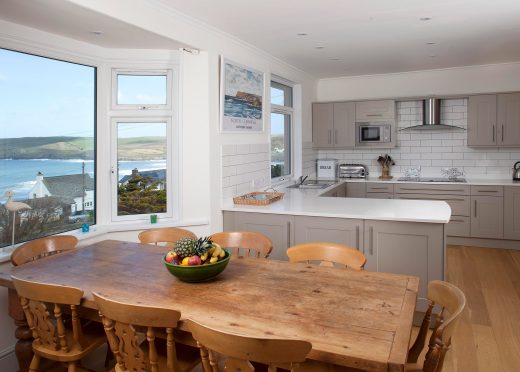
[
  {"x": 155, "y": 175},
  {"x": 68, "y": 186}
]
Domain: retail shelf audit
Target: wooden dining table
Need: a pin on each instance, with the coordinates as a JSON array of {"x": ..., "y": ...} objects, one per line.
[{"x": 360, "y": 320}]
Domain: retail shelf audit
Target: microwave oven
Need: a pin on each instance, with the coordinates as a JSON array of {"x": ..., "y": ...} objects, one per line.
[{"x": 374, "y": 133}]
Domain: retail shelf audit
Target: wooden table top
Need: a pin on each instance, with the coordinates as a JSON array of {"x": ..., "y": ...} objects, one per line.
[{"x": 355, "y": 319}]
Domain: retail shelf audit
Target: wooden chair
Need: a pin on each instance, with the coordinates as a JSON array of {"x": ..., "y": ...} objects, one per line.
[
  {"x": 240, "y": 351},
  {"x": 122, "y": 322},
  {"x": 167, "y": 235},
  {"x": 40, "y": 248},
  {"x": 452, "y": 302},
  {"x": 244, "y": 243},
  {"x": 328, "y": 254},
  {"x": 54, "y": 338}
]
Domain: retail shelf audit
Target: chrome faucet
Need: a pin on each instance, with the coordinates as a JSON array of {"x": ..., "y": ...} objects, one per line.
[{"x": 302, "y": 179}]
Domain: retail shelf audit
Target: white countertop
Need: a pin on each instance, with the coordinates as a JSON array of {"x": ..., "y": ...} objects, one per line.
[{"x": 307, "y": 202}]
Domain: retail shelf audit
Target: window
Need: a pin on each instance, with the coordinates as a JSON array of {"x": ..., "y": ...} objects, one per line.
[
  {"x": 47, "y": 145},
  {"x": 281, "y": 130},
  {"x": 141, "y": 144}
]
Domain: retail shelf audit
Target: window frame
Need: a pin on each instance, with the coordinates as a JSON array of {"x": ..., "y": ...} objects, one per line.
[
  {"x": 115, "y": 106},
  {"x": 171, "y": 189},
  {"x": 285, "y": 110}
]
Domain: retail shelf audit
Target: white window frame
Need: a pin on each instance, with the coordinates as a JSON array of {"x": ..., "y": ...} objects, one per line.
[
  {"x": 171, "y": 188},
  {"x": 286, "y": 110},
  {"x": 145, "y": 72}
]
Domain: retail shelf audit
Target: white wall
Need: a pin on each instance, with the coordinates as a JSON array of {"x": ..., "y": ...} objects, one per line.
[{"x": 453, "y": 81}]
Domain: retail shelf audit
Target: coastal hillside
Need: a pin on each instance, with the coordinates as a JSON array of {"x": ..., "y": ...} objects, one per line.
[{"x": 144, "y": 148}]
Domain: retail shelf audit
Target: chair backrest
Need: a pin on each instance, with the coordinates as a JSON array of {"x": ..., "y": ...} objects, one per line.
[
  {"x": 241, "y": 350},
  {"x": 452, "y": 302},
  {"x": 328, "y": 254},
  {"x": 167, "y": 235},
  {"x": 244, "y": 243},
  {"x": 120, "y": 319},
  {"x": 39, "y": 248},
  {"x": 41, "y": 304}
]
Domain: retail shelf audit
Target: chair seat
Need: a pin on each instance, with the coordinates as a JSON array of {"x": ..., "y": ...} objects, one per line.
[{"x": 93, "y": 337}]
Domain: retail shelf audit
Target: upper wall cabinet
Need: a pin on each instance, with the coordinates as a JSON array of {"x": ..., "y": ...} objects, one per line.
[
  {"x": 375, "y": 110},
  {"x": 494, "y": 120},
  {"x": 333, "y": 124}
]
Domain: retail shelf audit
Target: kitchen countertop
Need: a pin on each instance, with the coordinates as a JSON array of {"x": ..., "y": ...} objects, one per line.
[{"x": 307, "y": 202}]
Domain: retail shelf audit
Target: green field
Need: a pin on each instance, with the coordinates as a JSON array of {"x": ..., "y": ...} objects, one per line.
[{"x": 142, "y": 148}]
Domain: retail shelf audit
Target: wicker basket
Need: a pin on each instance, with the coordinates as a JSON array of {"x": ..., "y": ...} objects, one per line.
[{"x": 258, "y": 198}]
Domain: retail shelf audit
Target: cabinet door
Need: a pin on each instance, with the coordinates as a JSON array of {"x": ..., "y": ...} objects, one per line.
[
  {"x": 356, "y": 189},
  {"x": 512, "y": 212},
  {"x": 278, "y": 227},
  {"x": 322, "y": 124},
  {"x": 487, "y": 217},
  {"x": 406, "y": 248},
  {"x": 344, "y": 124},
  {"x": 509, "y": 119},
  {"x": 375, "y": 110},
  {"x": 325, "y": 229},
  {"x": 482, "y": 116}
]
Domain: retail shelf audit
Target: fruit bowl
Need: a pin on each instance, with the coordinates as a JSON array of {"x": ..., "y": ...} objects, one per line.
[{"x": 198, "y": 273}]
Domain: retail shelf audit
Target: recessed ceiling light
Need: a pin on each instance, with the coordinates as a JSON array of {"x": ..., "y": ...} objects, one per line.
[
  {"x": 301, "y": 34},
  {"x": 97, "y": 33},
  {"x": 425, "y": 19},
  {"x": 335, "y": 59},
  {"x": 319, "y": 47},
  {"x": 432, "y": 56},
  {"x": 431, "y": 43}
]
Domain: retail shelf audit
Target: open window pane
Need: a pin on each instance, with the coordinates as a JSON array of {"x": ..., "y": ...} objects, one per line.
[
  {"x": 280, "y": 144},
  {"x": 47, "y": 145},
  {"x": 141, "y": 164},
  {"x": 281, "y": 95},
  {"x": 141, "y": 89}
]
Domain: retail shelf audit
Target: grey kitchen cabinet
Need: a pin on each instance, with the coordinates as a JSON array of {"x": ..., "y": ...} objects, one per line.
[
  {"x": 380, "y": 195},
  {"x": 322, "y": 125},
  {"x": 512, "y": 212},
  {"x": 328, "y": 229},
  {"x": 482, "y": 120},
  {"x": 487, "y": 217},
  {"x": 278, "y": 227},
  {"x": 355, "y": 189},
  {"x": 333, "y": 124},
  {"x": 375, "y": 110},
  {"x": 339, "y": 191},
  {"x": 508, "y": 119},
  {"x": 406, "y": 248}
]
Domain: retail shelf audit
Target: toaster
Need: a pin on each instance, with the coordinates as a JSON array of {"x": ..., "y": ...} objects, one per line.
[{"x": 353, "y": 171}]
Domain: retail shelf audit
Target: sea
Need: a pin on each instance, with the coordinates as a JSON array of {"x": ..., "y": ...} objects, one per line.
[
  {"x": 240, "y": 109},
  {"x": 19, "y": 176}
]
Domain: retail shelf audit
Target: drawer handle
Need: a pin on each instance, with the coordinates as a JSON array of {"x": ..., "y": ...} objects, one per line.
[
  {"x": 423, "y": 198},
  {"x": 502, "y": 132},
  {"x": 357, "y": 239},
  {"x": 443, "y": 190},
  {"x": 288, "y": 233},
  {"x": 493, "y": 133},
  {"x": 378, "y": 188},
  {"x": 487, "y": 190},
  {"x": 452, "y": 220},
  {"x": 375, "y": 115},
  {"x": 475, "y": 208},
  {"x": 371, "y": 240},
  {"x": 336, "y": 136}
]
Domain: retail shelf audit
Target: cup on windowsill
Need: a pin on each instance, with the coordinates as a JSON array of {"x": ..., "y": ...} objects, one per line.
[
  {"x": 85, "y": 228},
  {"x": 153, "y": 218}
]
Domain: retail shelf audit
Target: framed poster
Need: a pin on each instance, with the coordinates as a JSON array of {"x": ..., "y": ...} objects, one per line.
[{"x": 241, "y": 97}]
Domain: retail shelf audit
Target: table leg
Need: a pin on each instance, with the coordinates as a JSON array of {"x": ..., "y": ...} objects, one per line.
[{"x": 23, "y": 348}]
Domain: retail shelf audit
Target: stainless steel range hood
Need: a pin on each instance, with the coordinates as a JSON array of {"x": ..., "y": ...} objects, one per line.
[{"x": 432, "y": 117}]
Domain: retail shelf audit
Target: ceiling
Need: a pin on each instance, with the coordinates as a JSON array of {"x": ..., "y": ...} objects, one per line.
[
  {"x": 342, "y": 37},
  {"x": 362, "y": 37},
  {"x": 70, "y": 20}
]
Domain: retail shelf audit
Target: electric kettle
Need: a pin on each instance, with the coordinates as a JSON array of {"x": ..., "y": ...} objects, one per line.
[{"x": 516, "y": 171}]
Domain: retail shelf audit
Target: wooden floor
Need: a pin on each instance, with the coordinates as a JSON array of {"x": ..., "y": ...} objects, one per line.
[{"x": 488, "y": 335}]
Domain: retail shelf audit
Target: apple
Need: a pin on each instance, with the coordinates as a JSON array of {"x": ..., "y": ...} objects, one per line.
[
  {"x": 194, "y": 261},
  {"x": 171, "y": 256}
]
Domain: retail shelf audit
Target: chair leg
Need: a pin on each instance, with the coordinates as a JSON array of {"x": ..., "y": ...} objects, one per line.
[
  {"x": 71, "y": 367},
  {"x": 35, "y": 363}
]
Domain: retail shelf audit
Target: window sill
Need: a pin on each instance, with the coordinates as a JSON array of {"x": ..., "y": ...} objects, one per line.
[{"x": 97, "y": 230}]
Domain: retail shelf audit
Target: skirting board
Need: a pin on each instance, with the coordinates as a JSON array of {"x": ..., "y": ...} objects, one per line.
[
  {"x": 6, "y": 351},
  {"x": 486, "y": 243},
  {"x": 9, "y": 363}
]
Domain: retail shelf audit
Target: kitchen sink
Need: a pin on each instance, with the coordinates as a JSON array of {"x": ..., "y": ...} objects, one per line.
[{"x": 311, "y": 185}]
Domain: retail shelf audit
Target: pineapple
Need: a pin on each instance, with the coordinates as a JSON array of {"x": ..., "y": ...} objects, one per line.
[
  {"x": 184, "y": 247},
  {"x": 202, "y": 245}
]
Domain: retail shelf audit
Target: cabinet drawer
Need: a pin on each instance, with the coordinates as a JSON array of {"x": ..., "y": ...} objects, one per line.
[
  {"x": 416, "y": 188},
  {"x": 487, "y": 190},
  {"x": 380, "y": 187},
  {"x": 380, "y": 195},
  {"x": 460, "y": 204},
  {"x": 459, "y": 226},
  {"x": 375, "y": 110}
]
